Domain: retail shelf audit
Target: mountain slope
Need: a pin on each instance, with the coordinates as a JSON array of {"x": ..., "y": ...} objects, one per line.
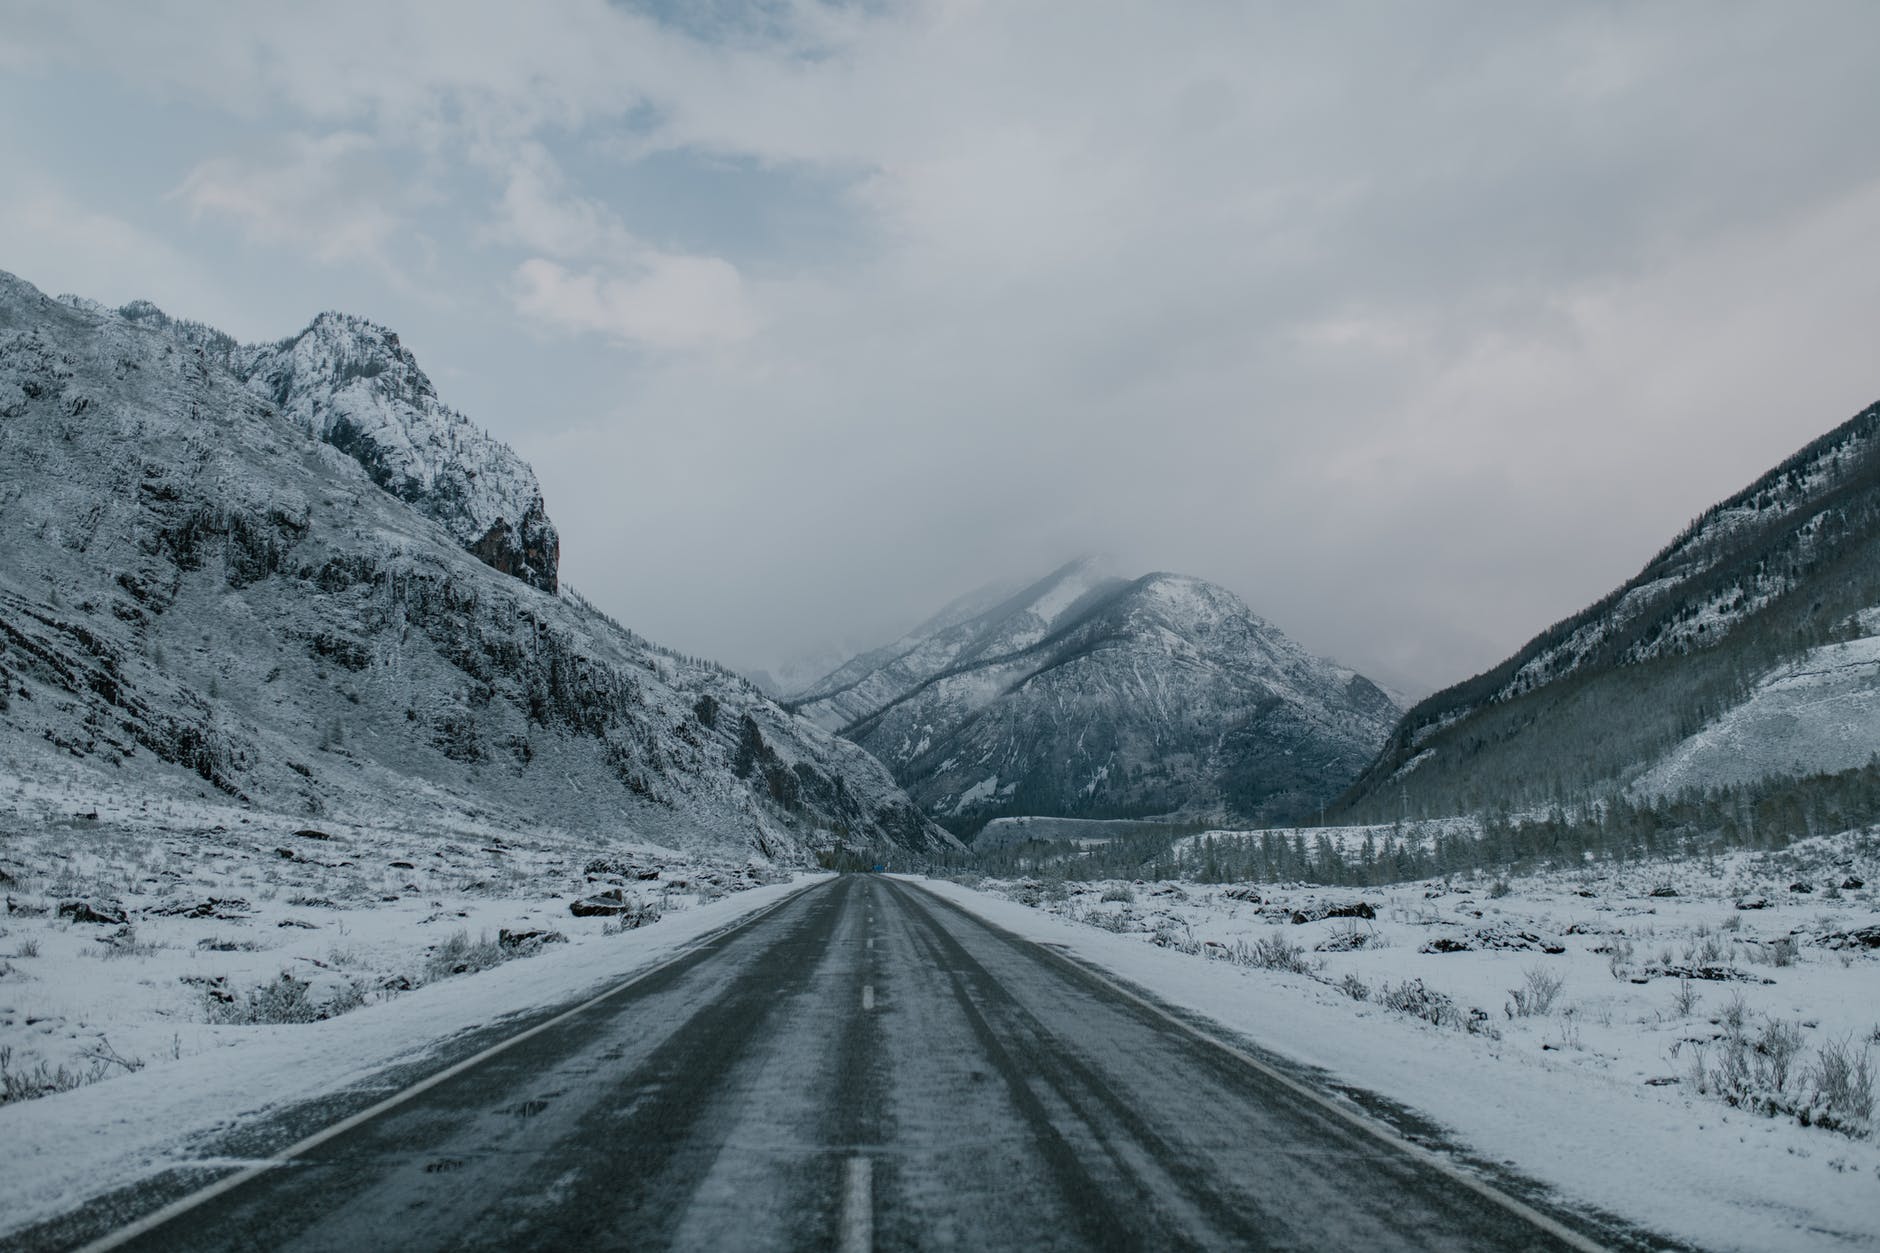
[
  {"x": 1091, "y": 696},
  {"x": 989, "y": 623},
  {"x": 1736, "y": 603},
  {"x": 352, "y": 384},
  {"x": 195, "y": 593}
]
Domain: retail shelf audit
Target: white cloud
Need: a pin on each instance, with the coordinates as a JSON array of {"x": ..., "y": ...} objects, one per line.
[
  {"x": 332, "y": 196},
  {"x": 672, "y": 302},
  {"x": 66, "y": 246},
  {"x": 1349, "y": 307}
]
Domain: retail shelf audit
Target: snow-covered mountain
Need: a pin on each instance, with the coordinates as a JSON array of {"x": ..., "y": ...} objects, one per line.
[
  {"x": 197, "y": 593},
  {"x": 1089, "y": 695},
  {"x": 1745, "y": 649},
  {"x": 994, "y": 621},
  {"x": 350, "y": 382}
]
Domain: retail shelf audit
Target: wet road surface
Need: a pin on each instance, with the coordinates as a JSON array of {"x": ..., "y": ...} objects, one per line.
[{"x": 864, "y": 1066}]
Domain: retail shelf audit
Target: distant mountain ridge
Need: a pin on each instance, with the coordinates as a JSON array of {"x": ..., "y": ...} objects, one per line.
[
  {"x": 196, "y": 593},
  {"x": 1784, "y": 571},
  {"x": 1090, "y": 695}
]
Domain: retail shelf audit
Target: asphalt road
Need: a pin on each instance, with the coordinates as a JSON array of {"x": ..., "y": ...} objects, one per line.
[{"x": 864, "y": 1066}]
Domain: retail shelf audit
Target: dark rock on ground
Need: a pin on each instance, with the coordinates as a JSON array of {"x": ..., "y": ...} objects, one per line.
[
  {"x": 521, "y": 939},
  {"x": 85, "y": 911}
]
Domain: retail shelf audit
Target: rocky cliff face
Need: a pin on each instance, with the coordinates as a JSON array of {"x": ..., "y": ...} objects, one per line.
[
  {"x": 1087, "y": 695},
  {"x": 197, "y": 593},
  {"x": 350, "y": 383}
]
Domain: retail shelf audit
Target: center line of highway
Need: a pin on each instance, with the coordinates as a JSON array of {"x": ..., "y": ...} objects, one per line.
[
  {"x": 868, "y": 996},
  {"x": 858, "y": 1207},
  {"x": 871, "y": 941}
]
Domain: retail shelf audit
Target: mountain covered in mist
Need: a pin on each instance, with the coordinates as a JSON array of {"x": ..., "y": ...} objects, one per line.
[
  {"x": 1749, "y": 648},
  {"x": 281, "y": 572},
  {"x": 1089, "y": 695}
]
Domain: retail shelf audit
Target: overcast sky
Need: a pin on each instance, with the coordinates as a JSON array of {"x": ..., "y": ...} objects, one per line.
[{"x": 1417, "y": 325}]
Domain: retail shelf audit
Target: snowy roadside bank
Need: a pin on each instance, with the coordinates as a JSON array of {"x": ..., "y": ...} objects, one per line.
[
  {"x": 67, "y": 1148},
  {"x": 1594, "y": 1098}
]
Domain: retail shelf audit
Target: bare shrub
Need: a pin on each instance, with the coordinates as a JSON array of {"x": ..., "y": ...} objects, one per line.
[
  {"x": 1413, "y": 998},
  {"x": 1754, "y": 1073},
  {"x": 1684, "y": 1004},
  {"x": 1351, "y": 936},
  {"x": 458, "y": 955},
  {"x": 348, "y": 997},
  {"x": 40, "y": 1079},
  {"x": 1354, "y": 987},
  {"x": 28, "y": 948},
  {"x": 1118, "y": 892},
  {"x": 1536, "y": 998},
  {"x": 1843, "y": 1081},
  {"x": 1182, "y": 941},
  {"x": 1619, "y": 957},
  {"x": 282, "y": 1000},
  {"x": 1273, "y": 952}
]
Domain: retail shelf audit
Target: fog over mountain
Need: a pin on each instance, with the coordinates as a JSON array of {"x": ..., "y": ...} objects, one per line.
[
  {"x": 1417, "y": 331},
  {"x": 1087, "y": 694}
]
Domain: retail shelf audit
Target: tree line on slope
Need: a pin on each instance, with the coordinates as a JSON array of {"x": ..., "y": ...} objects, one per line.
[{"x": 1762, "y": 816}]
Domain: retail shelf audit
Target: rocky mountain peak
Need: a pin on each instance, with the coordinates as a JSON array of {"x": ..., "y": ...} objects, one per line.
[
  {"x": 351, "y": 383},
  {"x": 1090, "y": 695}
]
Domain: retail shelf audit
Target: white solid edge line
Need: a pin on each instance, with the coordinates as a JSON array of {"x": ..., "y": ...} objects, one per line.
[
  {"x": 182, "y": 1205},
  {"x": 1378, "y": 1130}
]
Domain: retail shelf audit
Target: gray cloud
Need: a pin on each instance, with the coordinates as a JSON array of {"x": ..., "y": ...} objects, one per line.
[{"x": 1418, "y": 326}]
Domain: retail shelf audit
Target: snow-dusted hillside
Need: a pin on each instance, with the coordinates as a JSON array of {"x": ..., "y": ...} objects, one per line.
[
  {"x": 350, "y": 382},
  {"x": 1815, "y": 715},
  {"x": 991, "y": 623},
  {"x": 1724, "y": 630},
  {"x": 196, "y": 595},
  {"x": 1089, "y": 695}
]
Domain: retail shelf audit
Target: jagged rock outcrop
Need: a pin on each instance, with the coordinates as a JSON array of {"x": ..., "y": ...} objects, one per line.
[{"x": 351, "y": 383}]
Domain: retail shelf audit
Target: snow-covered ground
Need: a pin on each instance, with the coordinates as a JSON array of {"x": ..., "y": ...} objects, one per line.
[
  {"x": 365, "y": 940},
  {"x": 1597, "y": 1094}
]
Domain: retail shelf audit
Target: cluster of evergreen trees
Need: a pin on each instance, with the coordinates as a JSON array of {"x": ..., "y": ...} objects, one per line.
[{"x": 1766, "y": 815}]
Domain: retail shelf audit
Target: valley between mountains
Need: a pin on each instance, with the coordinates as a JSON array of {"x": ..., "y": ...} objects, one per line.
[{"x": 316, "y": 778}]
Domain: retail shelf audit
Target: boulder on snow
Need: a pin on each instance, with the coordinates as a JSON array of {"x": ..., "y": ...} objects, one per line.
[
  {"x": 85, "y": 911},
  {"x": 1360, "y": 910},
  {"x": 1860, "y": 937},
  {"x": 520, "y": 939}
]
